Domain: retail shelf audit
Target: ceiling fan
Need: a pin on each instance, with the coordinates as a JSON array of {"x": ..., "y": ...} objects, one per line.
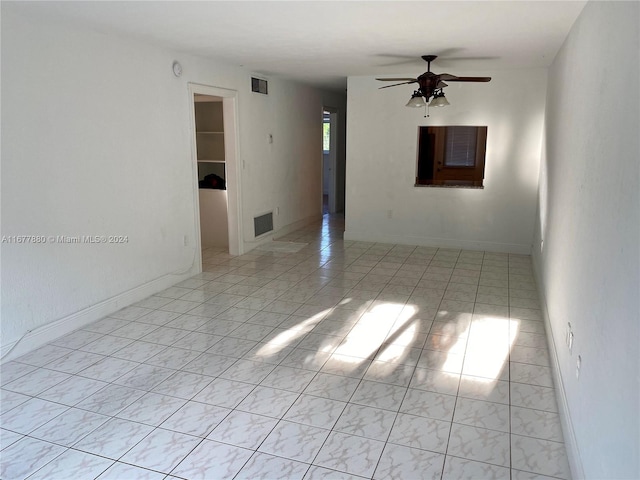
[{"x": 430, "y": 85}]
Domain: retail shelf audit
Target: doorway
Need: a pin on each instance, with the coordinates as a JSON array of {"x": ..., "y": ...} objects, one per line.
[
  {"x": 329, "y": 147},
  {"x": 216, "y": 173},
  {"x": 212, "y": 189}
]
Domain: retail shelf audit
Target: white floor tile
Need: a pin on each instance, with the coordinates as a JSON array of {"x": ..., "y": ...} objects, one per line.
[
  {"x": 243, "y": 429},
  {"x": 183, "y": 385},
  {"x": 151, "y": 409},
  {"x": 365, "y": 421},
  {"x": 69, "y": 427},
  {"x": 315, "y": 411},
  {"x": 268, "y": 401},
  {"x": 30, "y": 415},
  {"x": 398, "y": 462},
  {"x": 479, "y": 444},
  {"x": 213, "y": 460},
  {"x": 294, "y": 441},
  {"x": 113, "y": 438},
  {"x": 111, "y": 399},
  {"x": 268, "y": 467},
  {"x": 224, "y": 393},
  {"x": 420, "y": 432},
  {"x": 25, "y": 456},
  {"x": 536, "y": 423},
  {"x": 8, "y": 438},
  {"x": 342, "y": 360},
  {"x": 350, "y": 454},
  {"x": 478, "y": 413},
  {"x": 120, "y": 471},
  {"x": 37, "y": 381},
  {"x": 379, "y": 395},
  {"x": 539, "y": 456},
  {"x": 195, "y": 418},
  {"x": 428, "y": 404},
  {"x": 161, "y": 450},
  {"x": 321, "y": 473},
  {"x": 73, "y": 464},
  {"x": 462, "y": 469}
]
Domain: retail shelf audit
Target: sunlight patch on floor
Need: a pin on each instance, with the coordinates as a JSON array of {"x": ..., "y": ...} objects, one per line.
[
  {"x": 285, "y": 338},
  {"x": 370, "y": 331},
  {"x": 488, "y": 345}
]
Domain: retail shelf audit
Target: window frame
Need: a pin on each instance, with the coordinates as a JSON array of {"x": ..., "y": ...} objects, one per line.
[{"x": 431, "y": 169}]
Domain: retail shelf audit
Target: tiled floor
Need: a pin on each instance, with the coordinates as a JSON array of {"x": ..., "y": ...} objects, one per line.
[{"x": 344, "y": 360}]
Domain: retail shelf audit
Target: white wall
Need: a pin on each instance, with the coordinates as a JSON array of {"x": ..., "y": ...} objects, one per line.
[
  {"x": 589, "y": 212},
  {"x": 381, "y": 164},
  {"x": 96, "y": 140},
  {"x": 285, "y": 173}
]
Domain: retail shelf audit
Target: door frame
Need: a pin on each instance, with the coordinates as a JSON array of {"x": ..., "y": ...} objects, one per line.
[
  {"x": 333, "y": 146},
  {"x": 233, "y": 171}
]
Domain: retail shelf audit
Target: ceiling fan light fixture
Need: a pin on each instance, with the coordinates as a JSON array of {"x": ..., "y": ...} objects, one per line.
[
  {"x": 416, "y": 100},
  {"x": 439, "y": 100}
]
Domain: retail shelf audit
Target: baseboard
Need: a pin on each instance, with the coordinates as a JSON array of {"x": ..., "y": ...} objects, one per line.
[
  {"x": 362, "y": 236},
  {"x": 46, "y": 333},
  {"x": 570, "y": 441},
  {"x": 292, "y": 227}
]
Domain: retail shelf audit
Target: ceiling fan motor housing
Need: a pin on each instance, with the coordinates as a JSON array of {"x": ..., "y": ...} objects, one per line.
[{"x": 428, "y": 83}]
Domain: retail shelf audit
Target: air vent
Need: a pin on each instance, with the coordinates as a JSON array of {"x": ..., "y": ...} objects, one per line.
[
  {"x": 263, "y": 224},
  {"x": 258, "y": 85}
]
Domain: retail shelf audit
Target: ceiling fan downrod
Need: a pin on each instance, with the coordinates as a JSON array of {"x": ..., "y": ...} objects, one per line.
[{"x": 429, "y": 59}]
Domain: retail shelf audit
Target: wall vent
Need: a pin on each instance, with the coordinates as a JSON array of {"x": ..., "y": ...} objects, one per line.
[
  {"x": 263, "y": 224},
  {"x": 259, "y": 85}
]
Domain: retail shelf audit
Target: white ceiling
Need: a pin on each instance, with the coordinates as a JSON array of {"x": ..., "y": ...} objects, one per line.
[{"x": 323, "y": 42}]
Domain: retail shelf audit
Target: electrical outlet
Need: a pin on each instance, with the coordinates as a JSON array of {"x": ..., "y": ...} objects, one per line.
[
  {"x": 277, "y": 210},
  {"x": 389, "y": 213},
  {"x": 186, "y": 240}
]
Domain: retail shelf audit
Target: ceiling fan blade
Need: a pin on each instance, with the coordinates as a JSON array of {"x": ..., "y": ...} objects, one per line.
[
  {"x": 397, "y": 79},
  {"x": 453, "y": 78},
  {"x": 396, "y": 84},
  {"x": 441, "y": 84}
]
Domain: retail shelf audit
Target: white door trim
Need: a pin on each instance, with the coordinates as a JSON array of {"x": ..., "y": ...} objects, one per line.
[{"x": 233, "y": 171}]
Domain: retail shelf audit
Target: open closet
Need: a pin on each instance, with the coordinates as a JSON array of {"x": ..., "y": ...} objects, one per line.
[{"x": 212, "y": 175}]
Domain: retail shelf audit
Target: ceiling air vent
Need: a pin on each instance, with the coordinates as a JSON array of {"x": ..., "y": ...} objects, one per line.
[{"x": 258, "y": 85}]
